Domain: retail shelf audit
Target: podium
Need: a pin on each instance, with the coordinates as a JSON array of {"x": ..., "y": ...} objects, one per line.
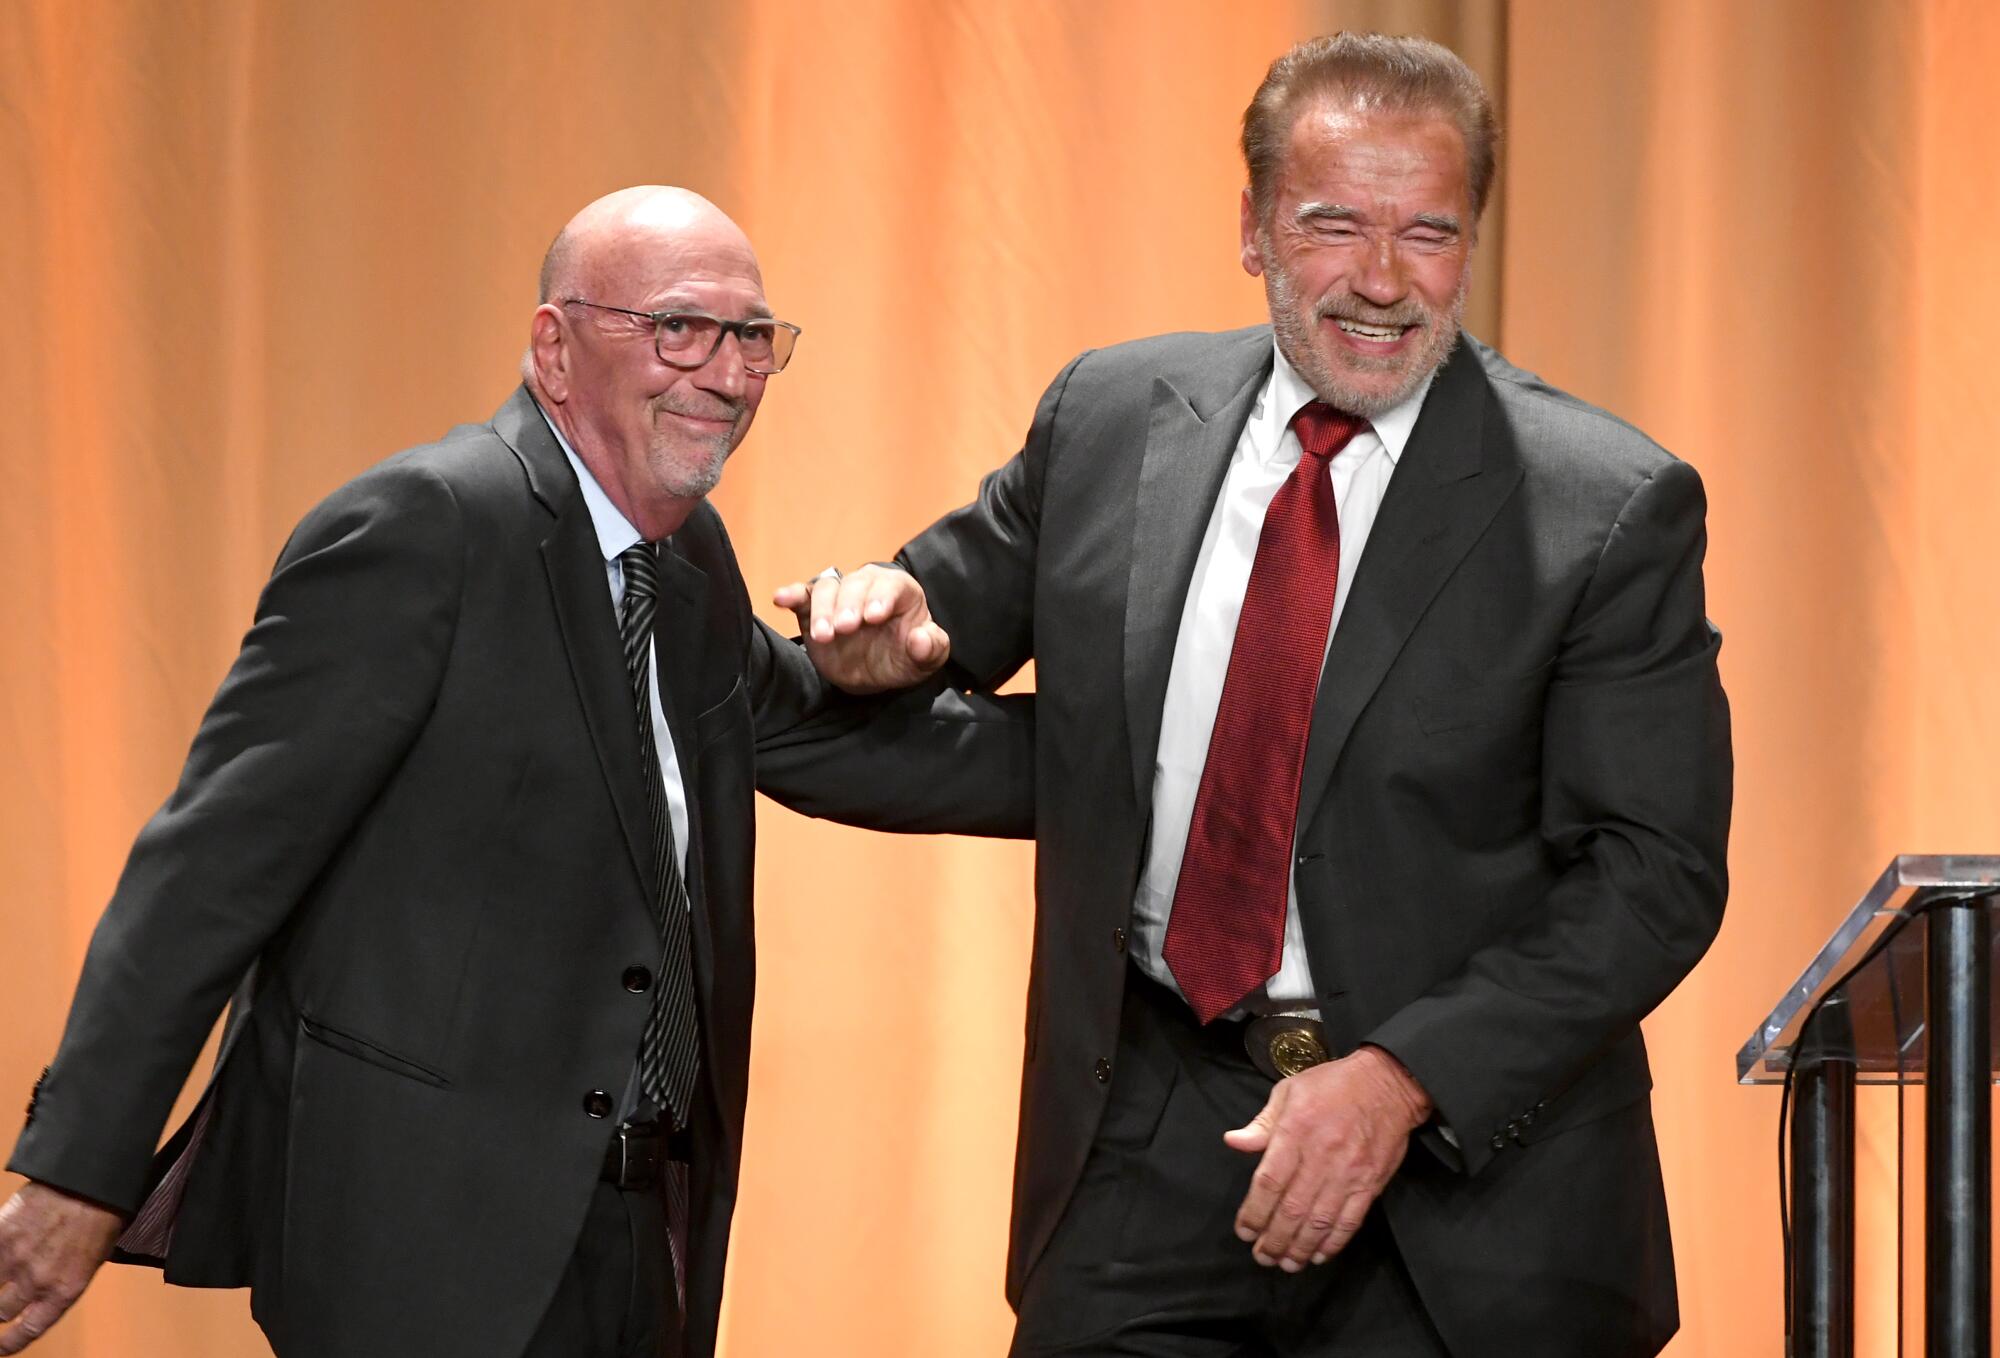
[{"x": 1901, "y": 994}]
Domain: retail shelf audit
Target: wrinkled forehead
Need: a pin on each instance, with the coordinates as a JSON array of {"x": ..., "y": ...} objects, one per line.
[{"x": 1342, "y": 132}]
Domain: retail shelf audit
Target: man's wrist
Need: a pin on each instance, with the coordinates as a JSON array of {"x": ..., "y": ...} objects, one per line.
[{"x": 1415, "y": 1097}]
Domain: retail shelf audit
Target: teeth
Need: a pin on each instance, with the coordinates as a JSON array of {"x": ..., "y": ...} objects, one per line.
[{"x": 1374, "y": 332}]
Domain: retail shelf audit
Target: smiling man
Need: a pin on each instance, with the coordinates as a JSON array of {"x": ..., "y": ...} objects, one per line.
[
  {"x": 468, "y": 831},
  {"x": 1383, "y": 786}
]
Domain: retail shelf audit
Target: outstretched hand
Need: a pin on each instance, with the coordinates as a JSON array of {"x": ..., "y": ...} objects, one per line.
[
  {"x": 1330, "y": 1138},
  {"x": 51, "y": 1245},
  {"x": 868, "y": 632}
]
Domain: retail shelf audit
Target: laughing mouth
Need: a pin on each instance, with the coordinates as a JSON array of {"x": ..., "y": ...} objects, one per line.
[{"x": 1362, "y": 330}]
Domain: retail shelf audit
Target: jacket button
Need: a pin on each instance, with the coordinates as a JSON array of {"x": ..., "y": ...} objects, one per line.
[
  {"x": 1103, "y": 1071},
  {"x": 1499, "y": 1141},
  {"x": 637, "y": 980},
  {"x": 597, "y": 1103},
  {"x": 1118, "y": 940}
]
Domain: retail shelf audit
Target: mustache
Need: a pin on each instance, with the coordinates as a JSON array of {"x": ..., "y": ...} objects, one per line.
[
  {"x": 1406, "y": 313},
  {"x": 719, "y": 409}
]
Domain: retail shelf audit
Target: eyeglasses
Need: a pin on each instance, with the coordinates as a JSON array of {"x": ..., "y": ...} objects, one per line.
[{"x": 688, "y": 339}]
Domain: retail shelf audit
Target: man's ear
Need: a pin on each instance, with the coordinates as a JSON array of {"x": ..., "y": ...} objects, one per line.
[
  {"x": 1253, "y": 254},
  {"x": 549, "y": 352}
]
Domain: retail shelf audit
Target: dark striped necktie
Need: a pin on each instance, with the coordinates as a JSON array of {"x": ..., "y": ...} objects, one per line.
[{"x": 670, "y": 1047}]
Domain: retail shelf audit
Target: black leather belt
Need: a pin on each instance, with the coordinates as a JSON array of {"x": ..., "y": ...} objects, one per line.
[{"x": 640, "y": 1151}]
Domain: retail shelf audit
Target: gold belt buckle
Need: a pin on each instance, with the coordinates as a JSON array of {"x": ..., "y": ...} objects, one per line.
[{"x": 1282, "y": 1045}]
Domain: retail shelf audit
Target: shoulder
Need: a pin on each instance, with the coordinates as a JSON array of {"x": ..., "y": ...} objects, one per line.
[
  {"x": 1561, "y": 435},
  {"x": 1181, "y": 358},
  {"x": 466, "y": 481}
]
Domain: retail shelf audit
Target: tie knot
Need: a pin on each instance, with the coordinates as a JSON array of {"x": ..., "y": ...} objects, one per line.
[
  {"x": 640, "y": 564},
  {"x": 1324, "y": 431}
]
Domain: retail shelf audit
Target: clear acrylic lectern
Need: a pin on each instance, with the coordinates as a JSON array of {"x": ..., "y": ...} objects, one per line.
[{"x": 1902, "y": 993}]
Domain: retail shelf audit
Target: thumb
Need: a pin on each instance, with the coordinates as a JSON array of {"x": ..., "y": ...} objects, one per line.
[
  {"x": 1255, "y": 1135},
  {"x": 928, "y": 645}
]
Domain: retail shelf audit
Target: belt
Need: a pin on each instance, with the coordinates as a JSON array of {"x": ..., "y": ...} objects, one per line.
[
  {"x": 1282, "y": 1045},
  {"x": 640, "y": 1151},
  {"x": 1278, "y": 1045}
]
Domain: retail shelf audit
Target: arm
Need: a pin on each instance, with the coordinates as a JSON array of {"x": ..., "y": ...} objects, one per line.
[
  {"x": 930, "y": 760},
  {"x": 333, "y": 683},
  {"x": 1635, "y": 778}
]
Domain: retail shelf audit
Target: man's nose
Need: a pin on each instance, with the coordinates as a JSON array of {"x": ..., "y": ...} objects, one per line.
[
  {"x": 724, "y": 373},
  {"x": 1383, "y": 279}
]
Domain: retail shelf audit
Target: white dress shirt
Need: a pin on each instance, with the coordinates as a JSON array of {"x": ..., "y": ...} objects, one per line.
[
  {"x": 615, "y": 534},
  {"x": 1265, "y": 456}
]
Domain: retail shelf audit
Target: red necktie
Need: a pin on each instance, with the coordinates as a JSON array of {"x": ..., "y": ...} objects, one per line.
[{"x": 1226, "y": 935}]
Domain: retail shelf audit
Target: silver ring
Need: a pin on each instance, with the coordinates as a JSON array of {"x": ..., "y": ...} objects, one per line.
[{"x": 833, "y": 571}]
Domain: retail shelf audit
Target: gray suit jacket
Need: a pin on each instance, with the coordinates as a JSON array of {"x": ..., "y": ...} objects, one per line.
[
  {"x": 412, "y": 836},
  {"x": 1512, "y": 818}
]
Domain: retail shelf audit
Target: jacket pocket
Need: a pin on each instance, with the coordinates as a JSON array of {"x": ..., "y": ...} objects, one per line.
[{"x": 361, "y": 1049}]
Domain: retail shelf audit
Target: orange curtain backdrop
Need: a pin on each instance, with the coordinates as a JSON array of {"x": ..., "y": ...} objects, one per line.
[{"x": 254, "y": 247}]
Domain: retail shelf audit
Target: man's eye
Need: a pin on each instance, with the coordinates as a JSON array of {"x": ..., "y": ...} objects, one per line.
[
  {"x": 758, "y": 332},
  {"x": 674, "y": 325}
]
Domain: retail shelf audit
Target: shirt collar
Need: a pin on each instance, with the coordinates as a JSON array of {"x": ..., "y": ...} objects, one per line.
[
  {"x": 1289, "y": 392},
  {"x": 615, "y": 532}
]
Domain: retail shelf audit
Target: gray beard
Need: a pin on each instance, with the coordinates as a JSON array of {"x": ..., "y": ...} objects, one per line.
[
  {"x": 699, "y": 481},
  {"x": 1295, "y": 342}
]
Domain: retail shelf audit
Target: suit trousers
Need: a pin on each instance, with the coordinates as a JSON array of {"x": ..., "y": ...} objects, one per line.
[
  {"x": 1146, "y": 1261},
  {"x": 616, "y": 1298}
]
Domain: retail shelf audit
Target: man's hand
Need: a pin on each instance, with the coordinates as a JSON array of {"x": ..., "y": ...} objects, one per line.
[
  {"x": 1330, "y": 1137},
  {"x": 869, "y": 632},
  {"x": 50, "y": 1245}
]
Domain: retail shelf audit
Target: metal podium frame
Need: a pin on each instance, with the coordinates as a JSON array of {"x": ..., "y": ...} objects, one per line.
[{"x": 1854, "y": 1017}]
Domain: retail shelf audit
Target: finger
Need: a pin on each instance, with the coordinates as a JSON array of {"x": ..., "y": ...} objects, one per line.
[
  {"x": 1287, "y": 1240},
  {"x": 1273, "y": 1175},
  {"x": 825, "y": 593},
  {"x": 1255, "y": 1135},
  {"x": 1316, "y": 1241},
  {"x": 891, "y": 594},
  {"x": 793, "y": 596},
  {"x": 1347, "y": 1221},
  {"x": 929, "y": 646},
  {"x": 32, "y": 1325},
  {"x": 847, "y": 606}
]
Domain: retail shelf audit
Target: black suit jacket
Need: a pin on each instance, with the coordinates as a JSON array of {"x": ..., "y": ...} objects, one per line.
[
  {"x": 411, "y": 835},
  {"x": 1512, "y": 817}
]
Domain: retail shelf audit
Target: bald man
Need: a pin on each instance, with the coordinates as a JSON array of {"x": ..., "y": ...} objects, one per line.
[{"x": 480, "y": 886}]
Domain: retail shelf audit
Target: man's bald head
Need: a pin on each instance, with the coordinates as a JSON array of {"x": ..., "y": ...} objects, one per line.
[
  {"x": 613, "y": 226},
  {"x": 653, "y": 434}
]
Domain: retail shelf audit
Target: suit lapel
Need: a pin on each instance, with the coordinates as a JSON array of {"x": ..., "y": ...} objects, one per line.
[
  {"x": 582, "y": 598},
  {"x": 680, "y": 646},
  {"x": 1446, "y": 490},
  {"x": 1189, "y": 441}
]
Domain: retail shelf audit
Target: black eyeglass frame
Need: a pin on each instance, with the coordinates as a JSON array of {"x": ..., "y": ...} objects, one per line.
[{"x": 724, "y": 329}]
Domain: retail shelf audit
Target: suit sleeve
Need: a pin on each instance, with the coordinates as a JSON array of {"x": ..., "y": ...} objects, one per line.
[
  {"x": 333, "y": 684},
  {"x": 1636, "y": 784},
  {"x": 977, "y": 564},
  {"x": 932, "y": 760}
]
